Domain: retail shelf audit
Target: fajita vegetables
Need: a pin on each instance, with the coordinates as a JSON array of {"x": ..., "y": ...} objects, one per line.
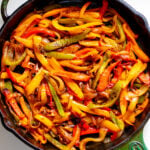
[{"x": 68, "y": 73}]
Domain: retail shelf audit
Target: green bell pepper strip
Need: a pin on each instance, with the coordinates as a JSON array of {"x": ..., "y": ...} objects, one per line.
[
  {"x": 56, "y": 100},
  {"x": 121, "y": 32},
  {"x": 114, "y": 95},
  {"x": 65, "y": 42},
  {"x": 8, "y": 85},
  {"x": 14, "y": 62},
  {"x": 106, "y": 60},
  {"x": 59, "y": 55},
  {"x": 57, "y": 143}
]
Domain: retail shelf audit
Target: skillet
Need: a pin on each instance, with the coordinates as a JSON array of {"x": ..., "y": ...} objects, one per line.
[{"x": 138, "y": 24}]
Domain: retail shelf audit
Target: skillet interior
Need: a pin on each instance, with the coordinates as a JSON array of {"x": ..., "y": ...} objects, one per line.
[{"x": 138, "y": 25}]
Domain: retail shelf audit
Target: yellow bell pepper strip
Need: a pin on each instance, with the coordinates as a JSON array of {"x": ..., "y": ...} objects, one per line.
[
  {"x": 69, "y": 82},
  {"x": 39, "y": 30},
  {"x": 65, "y": 42},
  {"x": 114, "y": 95},
  {"x": 56, "y": 143},
  {"x": 74, "y": 67},
  {"x": 102, "y": 135},
  {"x": 60, "y": 55},
  {"x": 39, "y": 56},
  {"x": 121, "y": 32},
  {"x": 88, "y": 43},
  {"x": 22, "y": 27},
  {"x": 76, "y": 136},
  {"x": 80, "y": 27},
  {"x": 104, "y": 79},
  {"x": 72, "y": 75},
  {"x": 110, "y": 125},
  {"x": 141, "y": 91},
  {"x": 26, "y": 42},
  {"x": 43, "y": 119},
  {"x": 56, "y": 100},
  {"x": 104, "y": 62},
  {"x": 103, "y": 9},
  {"x": 141, "y": 107},
  {"x": 83, "y": 9},
  {"x": 137, "y": 50},
  {"x": 123, "y": 101},
  {"x": 25, "y": 108},
  {"x": 19, "y": 89},
  {"x": 13, "y": 78},
  {"x": 35, "y": 82},
  {"x": 134, "y": 72}
]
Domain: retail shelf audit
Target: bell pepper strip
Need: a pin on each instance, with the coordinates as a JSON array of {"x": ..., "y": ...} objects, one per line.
[
  {"x": 83, "y": 9},
  {"x": 39, "y": 56},
  {"x": 56, "y": 143},
  {"x": 72, "y": 75},
  {"x": 59, "y": 55},
  {"x": 19, "y": 89},
  {"x": 25, "y": 108},
  {"x": 15, "y": 62},
  {"x": 88, "y": 43},
  {"x": 35, "y": 82},
  {"x": 39, "y": 30},
  {"x": 104, "y": 79},
  {"x": 122, "y": 37},
  {"x": 22, "y": 27},
  {"x": 8, "y": 85},
  {"x": 141, "y": 91},
  {"x": 102, "y": 112},
  {"x": 13, "y": 78},
  {"x": 51, "y": 7},
  {"x": 44, "y": 120},
  {"x": 140, "y": 108},
  {"x": 80, "y": 27},
  {"x": 134, "y": 72},
  {"x": 103, "y": 9},
  {"x": 76, "y": 137},
  {"x": 65, "y": 42},
  {"x": 145, "y": 78},
  {"x": 102, "y": 135},
  {"x": 113, "y": 136},
  {"x": 117, "y": 75},
  {"x": 110, "y": 125},
  {"x": 104, "y": 62},
  {"x": 54, "y": 12},
  {"x": 90, "y": 130},
  {"x": 74, "y": 67},
  {"x": 69, "y": 82},
  {"x": 56, "y": 100},
  {"x": 74, "y": 133},
  {"x": 137, "y": 50},
  {"x": 26, "y": 42},
  {"x": 114, "y": 95},
  {"x": 123, "y": 101}
]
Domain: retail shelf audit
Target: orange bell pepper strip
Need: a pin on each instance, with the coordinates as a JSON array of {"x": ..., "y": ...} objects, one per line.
[
  {"x": 104, "y": 79},
  {"x": 83, "y": 9},
  {"x": 22, "y": 27},
  {"x": 103, "y": 9},
  {"x": 37, "y": 40},
  {"x": 43, "y": 119},
  {"x": 137, "y": 50},
  {"x": 39, "y": 30},
  {"x": 123, "y": 101},
  {"x": 13, "y": 78},
  {"x": 35, "y": 82}
]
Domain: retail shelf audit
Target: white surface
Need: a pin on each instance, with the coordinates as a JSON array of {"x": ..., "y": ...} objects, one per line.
[{"x": 7, "y": 140}]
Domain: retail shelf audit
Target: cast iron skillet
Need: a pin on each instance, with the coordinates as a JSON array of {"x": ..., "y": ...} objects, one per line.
[{"x": 138, "y": 24}]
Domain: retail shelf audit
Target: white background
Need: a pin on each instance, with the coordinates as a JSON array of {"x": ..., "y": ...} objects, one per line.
[{"x": 7, "y": 140}]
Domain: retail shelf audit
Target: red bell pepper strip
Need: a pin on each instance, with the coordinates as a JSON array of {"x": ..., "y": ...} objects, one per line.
[
  {"x": 37, "y": 30},
  {"x": 113, "y": 136},
  {"x": 13, "y": 78},
  {"x": 103, "y": 8},
  {"x": 104, "y": 79},
  {"x": 117, "y": 75},
  {"x": 90, "y": 130}
]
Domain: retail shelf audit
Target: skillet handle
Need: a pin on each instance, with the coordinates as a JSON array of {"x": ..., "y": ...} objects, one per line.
[{"x": 4, "y": 10}]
